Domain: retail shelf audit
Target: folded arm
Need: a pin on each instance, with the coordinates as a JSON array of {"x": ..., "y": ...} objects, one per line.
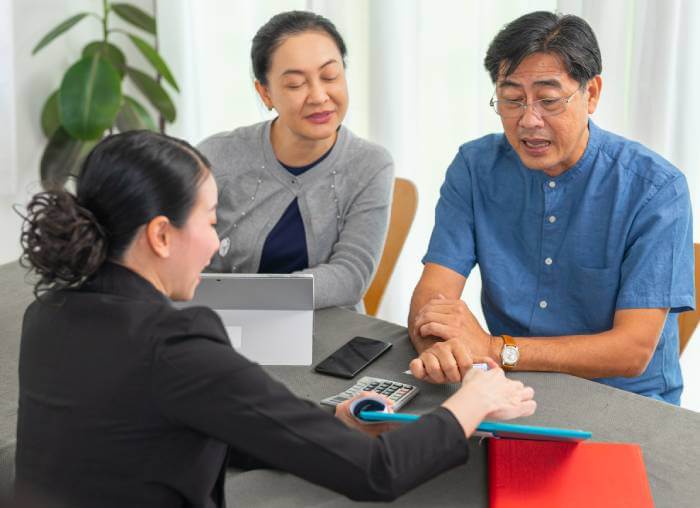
[{"x": 448, "y": 337}]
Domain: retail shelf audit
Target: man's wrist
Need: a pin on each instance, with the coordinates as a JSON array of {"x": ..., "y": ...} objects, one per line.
[
  {"x": 420, "y": 344},
  {"x": 495, "y": 347}
]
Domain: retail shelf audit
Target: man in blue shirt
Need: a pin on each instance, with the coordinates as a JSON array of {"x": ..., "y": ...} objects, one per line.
[{"x": 583, "y": 238}]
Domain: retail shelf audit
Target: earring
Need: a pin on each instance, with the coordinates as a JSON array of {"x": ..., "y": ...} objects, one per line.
[{"x": 269, "y": 108}]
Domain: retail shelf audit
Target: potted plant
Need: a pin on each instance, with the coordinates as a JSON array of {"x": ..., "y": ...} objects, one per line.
[{"x": 90, "y": 101}]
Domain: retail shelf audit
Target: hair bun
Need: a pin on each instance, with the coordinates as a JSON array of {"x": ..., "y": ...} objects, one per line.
[{"x": 61, "y": 240}]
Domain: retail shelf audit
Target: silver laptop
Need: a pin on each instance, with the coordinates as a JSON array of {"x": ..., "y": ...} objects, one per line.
[{"x": 269, "y": 318}]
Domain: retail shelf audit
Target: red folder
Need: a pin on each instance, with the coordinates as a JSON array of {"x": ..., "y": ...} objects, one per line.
[{"x": 558, "y": 474}]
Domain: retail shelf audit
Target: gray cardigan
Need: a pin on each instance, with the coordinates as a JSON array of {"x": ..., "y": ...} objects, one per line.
[{"x": 344, "y": 202}]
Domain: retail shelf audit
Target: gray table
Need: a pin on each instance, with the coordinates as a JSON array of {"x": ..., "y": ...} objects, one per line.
[{"x": 669, "y": 436}]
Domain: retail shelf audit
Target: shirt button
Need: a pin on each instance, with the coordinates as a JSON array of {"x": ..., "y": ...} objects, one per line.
[
  {"x": 552, "y": 184},
  {"x": 548, "y": 261},
  {"x": 543, "y": 304},
  {"x": 294, "y": 180},
  {"x": 552, "y": 219}
]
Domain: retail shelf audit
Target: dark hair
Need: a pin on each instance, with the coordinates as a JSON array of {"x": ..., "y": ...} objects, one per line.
[
  {"x": 125, "y": 181},
  {"x": 568, "y": 36},
  {"x": 283, "y": 25}
]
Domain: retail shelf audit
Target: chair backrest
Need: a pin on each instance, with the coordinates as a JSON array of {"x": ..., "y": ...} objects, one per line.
[
  {"x": 688, "y": 321},
  {"x": 403, "y": 210}
]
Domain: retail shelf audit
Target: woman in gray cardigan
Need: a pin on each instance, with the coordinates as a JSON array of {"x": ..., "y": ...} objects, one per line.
[{"x": 301, "y": 193}]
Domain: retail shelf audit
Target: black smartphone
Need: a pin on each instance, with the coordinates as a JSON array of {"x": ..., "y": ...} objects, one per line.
[{"x": 352, "y": 357}]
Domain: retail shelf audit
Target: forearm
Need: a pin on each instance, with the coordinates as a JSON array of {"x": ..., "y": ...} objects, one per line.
[
  {"x": 606, "y": 354},
  {"x": 468, "y": 410},
  {"x": 421, "y": 296}
]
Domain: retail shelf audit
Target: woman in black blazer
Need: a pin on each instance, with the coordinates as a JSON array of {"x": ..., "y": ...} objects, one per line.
[{"x": 128, "y": 401}]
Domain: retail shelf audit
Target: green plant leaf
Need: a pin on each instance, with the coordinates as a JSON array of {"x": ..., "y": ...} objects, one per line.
[
  {"x": 89, "y": 97},
  {"x": 50, "y": 120},
  {"x": 109, "y": 52},
  {"x": 155, "y": 93},
  {"x": 62, "y": 157},
  {"x": 136, "y": 17},
  {"x": 63, "y": 27},
  {"x": 133, "y": 116},
  {"x": 155, "y": 59}
]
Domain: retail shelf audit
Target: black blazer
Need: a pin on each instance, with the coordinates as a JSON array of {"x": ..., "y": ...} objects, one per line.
[{"x": 127, "y": 401}]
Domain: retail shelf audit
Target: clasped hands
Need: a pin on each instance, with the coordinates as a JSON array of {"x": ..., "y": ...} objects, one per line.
[{"x": 453, "y": 340}]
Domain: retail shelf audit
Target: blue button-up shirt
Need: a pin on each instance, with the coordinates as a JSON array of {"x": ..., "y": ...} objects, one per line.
[{"x": 558, "y": 256}]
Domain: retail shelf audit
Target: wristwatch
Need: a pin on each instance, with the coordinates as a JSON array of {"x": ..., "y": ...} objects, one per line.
[{"x": 510, "y": 353}]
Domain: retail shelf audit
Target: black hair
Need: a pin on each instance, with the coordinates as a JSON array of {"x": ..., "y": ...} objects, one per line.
[
  {"x": 283, "y": 25},
  {"x": 567, "y": 36},
  {"x": 126, "y": 180}
]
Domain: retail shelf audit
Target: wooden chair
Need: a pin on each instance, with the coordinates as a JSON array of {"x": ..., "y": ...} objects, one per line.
[
  {"x": 688, "y": 321},
  {"x": 403, "y": 210}
]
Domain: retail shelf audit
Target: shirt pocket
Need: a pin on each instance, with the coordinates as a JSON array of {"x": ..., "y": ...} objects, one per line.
[{"x": 592, "y": 296}]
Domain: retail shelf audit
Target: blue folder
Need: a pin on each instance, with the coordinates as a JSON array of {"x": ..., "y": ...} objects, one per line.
[{"x": 491, "y": 429}]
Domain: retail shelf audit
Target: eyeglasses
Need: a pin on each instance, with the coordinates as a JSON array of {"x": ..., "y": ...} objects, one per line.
[{"x": 542, "y": 107}]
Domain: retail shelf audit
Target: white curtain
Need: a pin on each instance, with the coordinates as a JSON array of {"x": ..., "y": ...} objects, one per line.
[{"x": 418, "y": 87}]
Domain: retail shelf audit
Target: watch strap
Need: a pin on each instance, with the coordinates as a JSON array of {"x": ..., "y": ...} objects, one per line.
[{"x": 507, "y": 342}]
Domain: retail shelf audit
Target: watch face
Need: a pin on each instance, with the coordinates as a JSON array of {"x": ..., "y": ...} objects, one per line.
[{"x": 509, "y": 355}]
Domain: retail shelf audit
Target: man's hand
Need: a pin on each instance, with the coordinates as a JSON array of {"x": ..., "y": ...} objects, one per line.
[
  {"x": 443, "y": 362},
  {"x": 452, "y": 320}
]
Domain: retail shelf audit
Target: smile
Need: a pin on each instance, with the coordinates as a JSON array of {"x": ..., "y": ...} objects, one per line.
[{"x": 320, "y": 118}]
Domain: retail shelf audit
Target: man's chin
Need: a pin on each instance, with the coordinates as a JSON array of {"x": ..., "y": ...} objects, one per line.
[{"x": 543, "y": 163}]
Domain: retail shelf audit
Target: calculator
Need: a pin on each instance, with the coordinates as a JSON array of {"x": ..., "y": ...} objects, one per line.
[{"x": 398, "y": 393}]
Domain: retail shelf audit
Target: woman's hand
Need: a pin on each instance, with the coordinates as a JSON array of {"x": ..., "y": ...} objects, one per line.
[
  {"x": 342, "y": 412},
  {"x": 490, "y": 395}
]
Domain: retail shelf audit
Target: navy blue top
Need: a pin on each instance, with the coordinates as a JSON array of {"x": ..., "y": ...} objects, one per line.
[
  {"x": 285, "y": 247},
  {"x": 558, "y": 256}
]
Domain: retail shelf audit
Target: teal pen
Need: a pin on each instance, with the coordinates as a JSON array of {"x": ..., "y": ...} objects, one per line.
[{"x": 498, "y": 429}]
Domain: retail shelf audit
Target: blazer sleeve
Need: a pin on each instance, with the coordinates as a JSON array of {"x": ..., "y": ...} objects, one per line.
[
  {"x": 345, "y": 277},
  {"x": 199, "y": 381}
]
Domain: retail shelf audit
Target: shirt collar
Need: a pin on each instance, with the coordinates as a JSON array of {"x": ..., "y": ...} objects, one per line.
[{"x": 116, "y": 279}]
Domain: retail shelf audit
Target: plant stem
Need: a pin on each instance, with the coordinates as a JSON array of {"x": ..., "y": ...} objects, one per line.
[
  {"x": 161, "y": 118},
  {"x": 105, "y": 31},
  {"x": 105, "y": 34}
]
